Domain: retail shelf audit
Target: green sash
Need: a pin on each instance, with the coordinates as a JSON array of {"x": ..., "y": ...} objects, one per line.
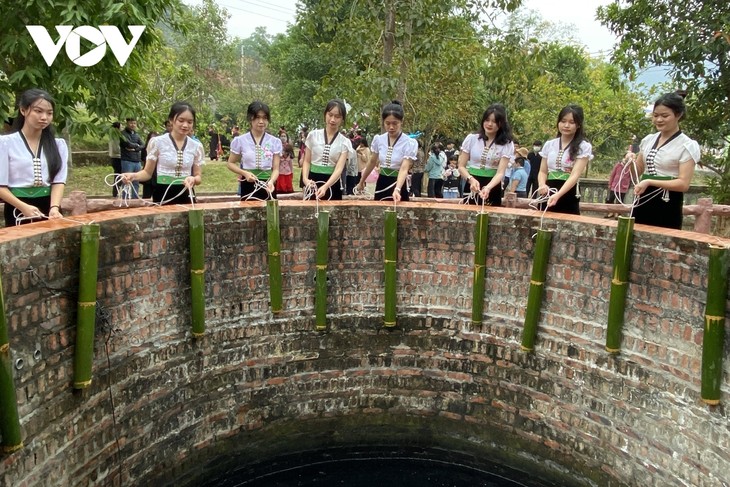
[
  {"x": 316, "y": 168},
  {"x": 483, "y": 173},
  {"x": 657, "y": 178},
  {"x": 32, "y": 192},
  {"x": 559, "y": 175},
  {"x": 163, "y": 179},
  {"x": 260, "y": 173},
  {"x": 391, "y": 173}
]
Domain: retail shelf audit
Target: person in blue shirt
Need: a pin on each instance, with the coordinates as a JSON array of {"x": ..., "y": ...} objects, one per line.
[{"x": 518, "y": 180}]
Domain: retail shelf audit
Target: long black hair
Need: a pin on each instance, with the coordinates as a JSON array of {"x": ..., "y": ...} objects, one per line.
[
  {"x": 48, "y": 138},
  {"x": 673, "y": 101},
  {"x": 580, "y": 134},
  {"x": 254, "y": 108},
  {"x": 394, "y": 108},
  {"x": 180, "y": 107},
  {"x": 504, "y": 133},
  {"x": 336, "y": 103}
]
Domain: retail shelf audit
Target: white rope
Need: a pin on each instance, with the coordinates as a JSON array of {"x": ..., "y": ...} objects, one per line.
[
  {"x": 258, "y": 185},
  {"x": 19, "y": 218},
  {"x": 536, "y": 199}
]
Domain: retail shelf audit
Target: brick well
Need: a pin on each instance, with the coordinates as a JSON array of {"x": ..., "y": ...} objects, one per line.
[{"x": 258, "y": 384}]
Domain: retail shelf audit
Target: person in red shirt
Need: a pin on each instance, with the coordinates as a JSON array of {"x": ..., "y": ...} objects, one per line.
[{"x": 618, "y": 181}]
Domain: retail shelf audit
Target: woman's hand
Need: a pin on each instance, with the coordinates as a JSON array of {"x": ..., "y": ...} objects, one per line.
[
  {"x": 321, "y": 192},
  {"x": 543, "y": 190},
  {"x": 553, "y": 200},
  {"x": 30, "y": 211},
  {"x": 396, "y": 195},
  {"x": 474, "y": 185},
  {"x": 641, "y": 187},
  {"x": 484, "y": 192},
  {"x": 189, "y": 182},
  {"x": 54, "y": 213},
  {"x": 128, "y": 177}
]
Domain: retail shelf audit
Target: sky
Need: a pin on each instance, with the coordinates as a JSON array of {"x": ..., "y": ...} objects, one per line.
[{"x": 275, "y": 15}]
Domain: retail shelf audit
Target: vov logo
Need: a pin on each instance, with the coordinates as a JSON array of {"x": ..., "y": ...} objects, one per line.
[{"x": 101, "y": 36}]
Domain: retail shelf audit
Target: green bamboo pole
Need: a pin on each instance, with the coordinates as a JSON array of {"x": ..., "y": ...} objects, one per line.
[
  {"x": 272, "y": 227},
  {"x": 714, "y": 336},
  {"x": 320, "y": 299},
  {"x": 197, "y": 270},
  {"x": 619, "y": 283},
  {"x": 537, "y": 288},
  {"x": 391, "y": 258},
  {"x": 480, "y": 261},
  {"x": 86, "y": 310},
  {"x": 9, "y": 419}
]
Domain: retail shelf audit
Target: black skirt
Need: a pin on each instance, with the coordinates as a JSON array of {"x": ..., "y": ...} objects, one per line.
[
  {"x": 43, "y": 203},
  {"x": 385, "y": 186},
  {"x": 177, "y": 194},
  {"x": 334, "y": 192},
  {"x": 494, "y": 198},
  {"x": 568, "y": 203},
  {"x": 248, "y": 192},
  {"x": 655, "y": 211}
]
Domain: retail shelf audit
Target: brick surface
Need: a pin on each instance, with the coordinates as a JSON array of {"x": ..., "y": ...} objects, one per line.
[{"x": 259, "y": 384}]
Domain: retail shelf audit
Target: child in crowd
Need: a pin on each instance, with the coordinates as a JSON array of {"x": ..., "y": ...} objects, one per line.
[
  {"x": 451, "y": 178},
  {"x": 286, "y": 170}
]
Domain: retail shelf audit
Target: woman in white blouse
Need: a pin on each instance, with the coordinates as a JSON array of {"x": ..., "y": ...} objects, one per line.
[
  {"x": 395, "y": 152},
  {"x": 33, "y": 163},
  {"x": 326, "y": 155},
  {"x": 485, "y": 155},
  {"x": 255, "y": 155},
  {"x": 667, "y": 160},
  {"x": 177, "y": 158},
  {"x": 563, "y": 160}
]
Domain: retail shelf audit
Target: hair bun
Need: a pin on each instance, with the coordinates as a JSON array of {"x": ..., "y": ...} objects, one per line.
[{"x": 396, "y": 102}]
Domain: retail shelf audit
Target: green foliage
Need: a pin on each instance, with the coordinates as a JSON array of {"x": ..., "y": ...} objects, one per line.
[
  {"x": 693, "y": 39},
  {"x": 106, "y": 89},
  {"x": 536, "y": 77},
  {"x": 423, "y": 52}
]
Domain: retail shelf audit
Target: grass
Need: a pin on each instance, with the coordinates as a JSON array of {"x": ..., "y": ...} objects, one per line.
[{"x": 217, "y": 179}]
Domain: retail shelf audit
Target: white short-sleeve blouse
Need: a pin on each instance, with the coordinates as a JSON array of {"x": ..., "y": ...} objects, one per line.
[
  {"x": 315, "y": 143},
  {"x": 404, "y": 148},
  {"x": 551, "y": 150},
  {"x": 17, "y": 166},
  {"x": 667, "y": 159},
  {"x": 245, "y": 146},
  {"x": 163, "y": 150},
  {"x": 483, "y": 156}
]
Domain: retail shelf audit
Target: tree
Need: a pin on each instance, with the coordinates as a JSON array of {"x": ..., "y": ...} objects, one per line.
[
  {"x": 105, "y": 88},
  {"x": 535, "y": 75},
  {"x": 693, "y": 39},
  {"x": 423, "y": 52}
]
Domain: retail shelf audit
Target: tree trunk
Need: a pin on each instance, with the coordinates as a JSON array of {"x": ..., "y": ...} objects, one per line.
[
  {"x": 403, "y": 80},
  {"x": 388, "y": 42}
]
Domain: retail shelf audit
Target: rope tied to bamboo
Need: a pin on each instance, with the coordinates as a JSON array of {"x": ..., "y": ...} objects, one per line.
[
  {"x": 20, "y": 218},
  {"x": 126, "y": 191},
  {"x": 257, "y": 186}
]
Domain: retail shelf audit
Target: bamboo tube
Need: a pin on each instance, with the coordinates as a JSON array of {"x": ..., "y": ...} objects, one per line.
[
  {"x": 9, "y": 419},
  {"x": 197, "y": 270},
  {"x": 320, "y": 298},
  {"x": 714, "y": 336},
  {"x": 480, "y": 261},
  {"x": 274, "y": 240},
  {"x": 86, "y": 310},
  {"x": 537, "y": 288},
  {"x": 391, "y": 258},
  {"x": 619, "y": 283}
]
